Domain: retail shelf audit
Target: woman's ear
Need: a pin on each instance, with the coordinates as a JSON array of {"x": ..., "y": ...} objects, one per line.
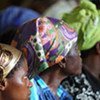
[
  {"x": 62, "y": 63},
  {"x": 98, "y": 47},
  {"x": 3, "y": 85}
]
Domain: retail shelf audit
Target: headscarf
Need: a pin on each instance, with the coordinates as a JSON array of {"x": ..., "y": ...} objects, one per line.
[
  {"x": 85, "y": 19},
  {"x": 9, "y": 56},
  {"x": 13, "y": 17},
  {"x": 45, "y": 41}
]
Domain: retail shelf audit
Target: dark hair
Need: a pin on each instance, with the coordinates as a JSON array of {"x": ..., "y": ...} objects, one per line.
[
  {"x": 7, "y": 36},
  {"x": 97, "y": 3},
  {"x": 17, "y": 66},
  {"x": 85, "y": 53}
]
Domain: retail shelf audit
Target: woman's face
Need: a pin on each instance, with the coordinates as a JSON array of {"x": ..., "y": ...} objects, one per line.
[
  {"x": 73, "y": 62},
  {"x": 18, "y": 86}
]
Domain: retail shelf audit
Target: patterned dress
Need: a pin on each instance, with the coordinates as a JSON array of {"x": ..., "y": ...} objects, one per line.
[
  {"x": 83, "y": 87},
  {"x": 40, "y": 91}
]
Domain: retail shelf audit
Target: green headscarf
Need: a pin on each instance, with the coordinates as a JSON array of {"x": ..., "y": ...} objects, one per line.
[{"x": 86, "y": 21}]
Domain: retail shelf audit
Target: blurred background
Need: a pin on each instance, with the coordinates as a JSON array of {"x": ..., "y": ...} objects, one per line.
[
  {"x": 14, "y": 13},
  {"x": 38, "y": 5}
]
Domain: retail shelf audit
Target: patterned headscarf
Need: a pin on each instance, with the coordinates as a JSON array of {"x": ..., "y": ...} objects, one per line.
[
  {"x": 9, "y": 56},
  {"x": 45, "y": 41},
  {"x": 85, "y": 19}
]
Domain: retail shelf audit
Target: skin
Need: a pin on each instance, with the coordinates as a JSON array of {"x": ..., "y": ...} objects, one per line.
[
  {"x": 92, "y": 62},
  {"x": 17, "y": 87},
  {"x": 73, "y": 62},
  {"x": 53, "y": 76},
  {"x": 74, "y": 65}
]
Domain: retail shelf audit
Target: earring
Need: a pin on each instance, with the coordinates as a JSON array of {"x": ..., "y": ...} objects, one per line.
[{"x": 62, "y": 65}]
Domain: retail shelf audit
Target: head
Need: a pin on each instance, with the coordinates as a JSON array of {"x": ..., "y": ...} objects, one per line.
[
  {"x": 72, "y": 63},
  {"x": 85, "y": 19},
  {"x": 14, "y": 82},
  {"x": 46, "y": 41},
  {"x": 11, "y": 18}
]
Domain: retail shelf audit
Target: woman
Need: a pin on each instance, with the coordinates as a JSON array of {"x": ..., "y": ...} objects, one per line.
[
  {"x": 87, "y": 24},
  {"x": 13, "y": 74},
  {"x": 51, "y": 48},
  {"x": 11, "y": 18}
]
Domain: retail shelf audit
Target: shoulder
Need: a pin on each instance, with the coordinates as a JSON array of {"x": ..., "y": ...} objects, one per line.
[{"x": 79, "y": 87}]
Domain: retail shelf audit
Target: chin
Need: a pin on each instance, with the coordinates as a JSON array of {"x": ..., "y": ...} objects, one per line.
[
  {"x": 78, "y": 72},
  {"x": 26, "y": 97}
]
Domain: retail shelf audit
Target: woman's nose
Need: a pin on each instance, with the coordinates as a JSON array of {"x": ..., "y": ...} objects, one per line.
[{"x": 30, "y": 83}]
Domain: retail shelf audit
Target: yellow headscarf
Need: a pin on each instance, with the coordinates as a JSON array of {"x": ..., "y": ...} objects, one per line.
[
  {"x": 9, "y": 56},
  {"x": 85, "y": 19}
]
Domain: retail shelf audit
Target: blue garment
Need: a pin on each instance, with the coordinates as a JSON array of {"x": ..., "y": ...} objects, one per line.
[
  {"x": 13, "y": 16},
  {"x": 40, "y": 91}
]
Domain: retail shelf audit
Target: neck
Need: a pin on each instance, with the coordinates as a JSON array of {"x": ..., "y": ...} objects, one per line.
[
  {"x": 1, "y": 97},
  {"x": 53, "y": 77},
  {"x": 92, "y": 64}
]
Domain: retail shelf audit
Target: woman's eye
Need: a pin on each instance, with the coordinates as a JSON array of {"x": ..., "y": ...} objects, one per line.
[{"x": 26, "y": 76}]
